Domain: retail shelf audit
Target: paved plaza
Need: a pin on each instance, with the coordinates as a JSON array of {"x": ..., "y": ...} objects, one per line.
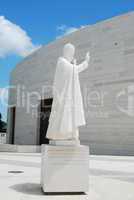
[{"x": 111, "y": 178}]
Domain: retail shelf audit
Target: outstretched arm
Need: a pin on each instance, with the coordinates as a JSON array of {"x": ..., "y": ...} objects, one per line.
[{"x": 84, "y": 64}]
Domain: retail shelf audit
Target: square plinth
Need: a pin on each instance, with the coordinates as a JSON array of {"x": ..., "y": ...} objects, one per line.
[{"x": 65, "y": 168}]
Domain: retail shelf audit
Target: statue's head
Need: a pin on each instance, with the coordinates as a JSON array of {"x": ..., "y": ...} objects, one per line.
[{"x": 69, "y": 51}]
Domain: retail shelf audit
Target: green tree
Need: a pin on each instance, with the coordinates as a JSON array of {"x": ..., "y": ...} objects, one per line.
[{"x": 2, "y": 124}]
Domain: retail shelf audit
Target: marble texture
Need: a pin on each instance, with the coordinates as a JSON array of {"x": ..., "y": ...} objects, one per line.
[
  {"x": 64, "y": 142},
  {"x": 67, "y": 113},
  {"x": 65, "y": 168}
]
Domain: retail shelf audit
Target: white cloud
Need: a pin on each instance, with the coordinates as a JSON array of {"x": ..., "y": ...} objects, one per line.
[
  {"x": 0, "y": 91},
  {"x": 14, "y": 40},
  {"x": 3, "y": 94},
  {"x": 65, "y": 30}
]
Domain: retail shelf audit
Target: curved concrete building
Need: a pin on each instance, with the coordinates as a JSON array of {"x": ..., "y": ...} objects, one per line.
[{"x": 107, "y": 87}]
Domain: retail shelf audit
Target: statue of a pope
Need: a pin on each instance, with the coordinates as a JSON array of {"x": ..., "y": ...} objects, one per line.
[{"x": 67, "y": 112}]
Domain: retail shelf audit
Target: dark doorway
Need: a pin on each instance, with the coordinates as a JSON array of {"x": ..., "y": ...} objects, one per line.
[
  {"x": 44, "y": 114},
  {"x": 12, "y": 124}
]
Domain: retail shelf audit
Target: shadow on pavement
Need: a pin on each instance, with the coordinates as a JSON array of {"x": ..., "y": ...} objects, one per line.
[
  {"x": 35, "y": 189},
  {"x": 28, "y": 188}
]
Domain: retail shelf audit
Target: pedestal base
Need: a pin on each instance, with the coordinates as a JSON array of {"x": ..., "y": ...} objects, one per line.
[
  {"x": 64, "y": 142},
  {"x": 65, "y": 169}
]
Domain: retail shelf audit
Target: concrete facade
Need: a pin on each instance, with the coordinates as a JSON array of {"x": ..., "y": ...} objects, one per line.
[{"x": 107, "y": 86}]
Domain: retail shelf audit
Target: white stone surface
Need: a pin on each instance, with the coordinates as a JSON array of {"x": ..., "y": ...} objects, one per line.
[
  {"x": 65, "y": 168},
  {"x": 64, "y": 142},
  {"x": 8, "y": 148},
  {"x": 20, "y": 148},
  {"x": 67, "y": 113},
  {"x": 28, "y": 148},
  {"x": 111, "y": 178}
]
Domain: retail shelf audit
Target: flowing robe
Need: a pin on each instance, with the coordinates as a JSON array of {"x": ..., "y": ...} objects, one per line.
[{"x": 67, "y": 112}]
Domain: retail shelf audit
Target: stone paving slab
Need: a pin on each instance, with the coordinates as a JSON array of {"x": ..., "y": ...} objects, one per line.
[{"x": 111, "y": 178}]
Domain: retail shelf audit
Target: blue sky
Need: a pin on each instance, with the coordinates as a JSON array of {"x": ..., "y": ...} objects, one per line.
[{"x": 43, "y": 21}]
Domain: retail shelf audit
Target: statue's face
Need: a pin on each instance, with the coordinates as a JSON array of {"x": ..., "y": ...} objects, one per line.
[{"x": 69, "y": 51}]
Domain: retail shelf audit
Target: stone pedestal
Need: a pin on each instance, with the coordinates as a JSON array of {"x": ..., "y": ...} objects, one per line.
[
  {"x": 65, "y": 168},
  {"x": 65, "y": 142}
]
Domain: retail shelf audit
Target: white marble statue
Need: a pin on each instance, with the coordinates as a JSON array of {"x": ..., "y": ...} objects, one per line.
[{"x": 67, "y": 112}]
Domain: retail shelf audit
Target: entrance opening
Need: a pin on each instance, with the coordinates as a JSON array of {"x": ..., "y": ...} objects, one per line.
[
  {"x": 12, "y": 124},
  {"x": 45, "y": 110}
]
